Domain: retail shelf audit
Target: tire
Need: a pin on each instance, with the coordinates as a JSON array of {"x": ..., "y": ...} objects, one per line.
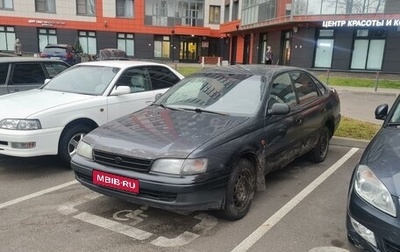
[
  {"x": 69, "y": 141},
  {"x": 240, "y": 191},
  {"x": 320, "y": 151}
]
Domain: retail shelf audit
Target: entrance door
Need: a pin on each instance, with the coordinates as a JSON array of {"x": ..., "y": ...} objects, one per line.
[
  {"x": 246, "y": 52},
  {"x": 189, "y": 50}
]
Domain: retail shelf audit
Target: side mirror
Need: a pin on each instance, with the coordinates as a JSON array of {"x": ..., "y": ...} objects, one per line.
[
  {"x": 279, "y": 109},
  {"x": 381, "y": 111},
  {"x": 121, "y": 90}
]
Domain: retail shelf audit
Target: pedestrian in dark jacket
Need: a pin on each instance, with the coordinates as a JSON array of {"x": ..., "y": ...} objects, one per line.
[{"x": 269, "y": 56}]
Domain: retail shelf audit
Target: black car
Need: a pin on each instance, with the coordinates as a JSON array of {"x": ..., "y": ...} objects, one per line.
[
  {"x": 23, "y": 73},
  {"x": 209, "y": 141},
  {"x": 373, "y": 221}
]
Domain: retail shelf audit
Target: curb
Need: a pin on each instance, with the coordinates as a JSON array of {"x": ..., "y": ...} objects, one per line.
[
  {"x": 349, "y": 142},
  {"x": 387, "y": 92}
]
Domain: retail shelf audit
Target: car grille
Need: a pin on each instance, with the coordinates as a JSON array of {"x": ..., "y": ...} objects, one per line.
[
  {"x": 120, "y": 161},
  {"x": 151, "y": 194},
  {"x": 391, "y": 247}
]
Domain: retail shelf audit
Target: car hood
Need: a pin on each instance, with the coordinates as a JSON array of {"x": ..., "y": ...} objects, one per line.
[
  {"x": 28, "y": 103},
  {"x": 156, "y": 132},
  {"x": 382, "y": 156}
]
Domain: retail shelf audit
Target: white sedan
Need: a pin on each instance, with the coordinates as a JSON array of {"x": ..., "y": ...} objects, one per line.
[{"x": 52, "y": 119}]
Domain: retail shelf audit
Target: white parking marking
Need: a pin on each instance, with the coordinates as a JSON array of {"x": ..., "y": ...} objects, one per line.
[
  {"x": 328, "y": 249},
  {"x": 113, "y": 226},
  {"x": 274, "y": 219},
  {"x": 36, "y": 194}
]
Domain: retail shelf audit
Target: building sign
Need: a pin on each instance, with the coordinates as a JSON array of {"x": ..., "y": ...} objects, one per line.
[
  {"x": 361, "y": 23},
  {"x": 45, "y": 22}
]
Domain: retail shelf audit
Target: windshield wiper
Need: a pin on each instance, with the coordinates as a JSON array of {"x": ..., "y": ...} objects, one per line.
[
  {"x": 165, "y": 107},
  {"x": 199, "y": 110}
]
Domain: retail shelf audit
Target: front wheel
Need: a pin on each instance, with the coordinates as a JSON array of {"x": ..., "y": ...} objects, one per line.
[
  {"x": 69, "y": 141},
  {"x": 320, "y": 151},
  {"x": 240, "y": 191}
]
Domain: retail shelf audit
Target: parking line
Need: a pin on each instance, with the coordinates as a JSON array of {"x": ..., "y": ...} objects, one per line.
[
  {"x": 274, "y": 219},
  {"x": 36, "y": 194}
]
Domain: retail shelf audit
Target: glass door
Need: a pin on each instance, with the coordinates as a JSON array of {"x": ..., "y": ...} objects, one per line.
[{"x": 189, "y": 51}]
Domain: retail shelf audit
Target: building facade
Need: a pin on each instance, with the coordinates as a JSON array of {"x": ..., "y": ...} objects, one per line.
[{"x": 344, "y": 35}]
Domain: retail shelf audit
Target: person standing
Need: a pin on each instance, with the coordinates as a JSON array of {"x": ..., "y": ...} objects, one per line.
[
  {"x": 18, "y": 47},
  {"x": 269, "y": 56}
]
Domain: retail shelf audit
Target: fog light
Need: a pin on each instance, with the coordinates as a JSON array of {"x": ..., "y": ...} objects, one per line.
[
  {"x": 28, "y": 145},
  {"x": 364, "y": 232}
]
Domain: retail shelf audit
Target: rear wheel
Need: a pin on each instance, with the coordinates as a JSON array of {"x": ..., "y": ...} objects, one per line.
[
  {"x": 320, "y": 151},
  {"x": 69, "y": 141},
  {"x": 240, "y": 191}
]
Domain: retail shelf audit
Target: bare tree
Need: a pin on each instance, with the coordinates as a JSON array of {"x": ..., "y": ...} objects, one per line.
[
  {"x": 299, "y": 7},
  {"x": 358, "y": 6}
]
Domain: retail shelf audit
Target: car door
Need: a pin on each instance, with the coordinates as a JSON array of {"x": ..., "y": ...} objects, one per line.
[
  {"x": 25, "y": 75},
  {"x": 282, "y": 132},
  {"x": 312, "y": 109},
  {"x": 145, "y": 83}
]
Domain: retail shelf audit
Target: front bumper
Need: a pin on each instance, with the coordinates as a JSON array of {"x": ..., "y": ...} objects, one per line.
[
  {"x": 386, "y": 228},
  {"x": 46, "y": 142},
  {"x": 160, "y": 191}
]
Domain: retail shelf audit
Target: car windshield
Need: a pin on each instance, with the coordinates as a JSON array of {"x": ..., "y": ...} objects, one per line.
[
  {"x": 223, "y": 93},
  {"x": 91, "y": 80}
]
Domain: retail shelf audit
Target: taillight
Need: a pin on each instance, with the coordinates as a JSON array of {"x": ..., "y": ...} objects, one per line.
[{"x": 69, "y": 56}]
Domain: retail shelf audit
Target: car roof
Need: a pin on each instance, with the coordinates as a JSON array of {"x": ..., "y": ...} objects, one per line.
[
  {"x": 120, "y": 63},
  {"x": 251, "y": 69},
  {"x": 27, "y": 59}
]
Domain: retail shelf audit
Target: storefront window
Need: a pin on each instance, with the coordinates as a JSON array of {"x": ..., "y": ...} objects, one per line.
[
  {"x": 368, "y": 49},
  {"x": 47, "y": 36},
  {"x": 324, "y": 50},
  {"x": 162, "y": 47},
  {"x": 126, "y": 43}
]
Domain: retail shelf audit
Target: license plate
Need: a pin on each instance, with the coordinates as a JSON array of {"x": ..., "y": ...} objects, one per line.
[{"x": 115, "y": 181}]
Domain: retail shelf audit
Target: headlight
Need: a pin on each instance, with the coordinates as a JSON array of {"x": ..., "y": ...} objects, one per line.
[
  {"x": 371, "y": 189},
  {"x": 20, "y": 124},
  {"x": 180, "y": 166},
  {"x": 84, "y": 150}
]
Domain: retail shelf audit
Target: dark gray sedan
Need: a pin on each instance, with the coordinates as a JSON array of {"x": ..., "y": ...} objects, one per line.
[
  {"x": 208, "y": 142},
  {"x": 373, "y": 213}
]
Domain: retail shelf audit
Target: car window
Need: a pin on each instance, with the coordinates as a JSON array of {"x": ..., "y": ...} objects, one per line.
[
  {"x": 135, "y": 78},
  {"x": 304, "y": 86},
  {"x": 161, "y": 77},
  {"x": 28, "y": 73},
  {"x": 320, "y": 86},
  {"x": 282, "y": 91},
  {"x": 54, "y": 68},
  {"x": 3, "y": 73}
]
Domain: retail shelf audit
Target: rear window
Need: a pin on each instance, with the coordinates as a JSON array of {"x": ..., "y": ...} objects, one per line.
[
  {"x": 55, "y": 50},
  {"x": 54, "y": 68},
  {"x": 28, "y": 73}
]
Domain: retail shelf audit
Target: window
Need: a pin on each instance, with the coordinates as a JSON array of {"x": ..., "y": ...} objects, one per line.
[
  {"x": 160, "y": 13},
  {"x": 190, "y": 12},
  {"x": 161, "y": 77},
  {"x": 54, "y": 68},
  {"x": 126, "y": 43},
  {"x": 135, "y": 78},
  {"x": 304, "y": 86},
  {"x": 124, "y": 8},
  {"x": 3, "y": 73},
  {"x": 368, "y": 49},
  {"x": 6, "y": 4},
  {"x": 161, "y": 47},
  {"x": 215, "y": 14},
  {"x": 45, "y": 6},
  {"x": 282, "y": 91},
  {"x": 46, "y": 36},
  {"x": 7, "y": 38},
  {"x": 88, "y": 42},
  {"x": 28, "y": 73},
  {"x": 85, "y": 7},
  {"x": 324, "y": 50}
]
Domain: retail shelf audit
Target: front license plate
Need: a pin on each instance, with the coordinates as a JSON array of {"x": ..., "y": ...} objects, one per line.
[{"x": 115, "y": 181}]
